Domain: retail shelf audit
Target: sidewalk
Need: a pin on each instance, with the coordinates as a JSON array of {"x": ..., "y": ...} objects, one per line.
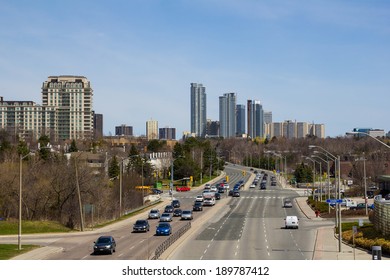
[{"x": 327, "y": 243}]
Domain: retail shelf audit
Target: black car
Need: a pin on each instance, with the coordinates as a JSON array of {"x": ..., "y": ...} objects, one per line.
[
  {"x": 177, "y": 212},
  {"x": 198, "y": 206},
  {"x": 236, "y": 194},
  {"x": 217, "y": 196},
  {"x": 104, "y": 244},
  {"x": 169, "y": 209},
  {"x": 175, "y": 203},
  {"x": 157, "y": 191},
  {"x": 141, "y": 225}
]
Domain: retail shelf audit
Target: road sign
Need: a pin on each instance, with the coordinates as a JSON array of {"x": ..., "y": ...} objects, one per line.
[{"x": 334, "y": 201}]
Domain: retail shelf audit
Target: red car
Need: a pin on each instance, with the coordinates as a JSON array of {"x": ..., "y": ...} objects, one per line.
[{"x": 182, "y": 189}]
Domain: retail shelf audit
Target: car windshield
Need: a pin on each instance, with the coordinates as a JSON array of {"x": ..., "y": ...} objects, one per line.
[
  {"x": 186, "y": 212},
  {"x": 140, "y": 222},
  {"x": 165, "y": 214},
  {"x": 103, "y": 240},
  {"x": 153, "y": 211},
  {"x": 163, "y": 225}
]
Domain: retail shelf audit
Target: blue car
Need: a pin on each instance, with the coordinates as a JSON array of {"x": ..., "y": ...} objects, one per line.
[{"x": 163, "y": 229}]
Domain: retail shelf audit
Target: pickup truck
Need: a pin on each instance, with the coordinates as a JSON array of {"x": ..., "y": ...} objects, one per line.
[{"x": 347, "y": 202}]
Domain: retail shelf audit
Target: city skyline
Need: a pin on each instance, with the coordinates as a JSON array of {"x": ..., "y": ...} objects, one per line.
[{"x": 323, "y": 62}]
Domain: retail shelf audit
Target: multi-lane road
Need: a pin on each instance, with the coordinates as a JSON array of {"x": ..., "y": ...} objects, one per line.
[{"x": 247, "y": 227}]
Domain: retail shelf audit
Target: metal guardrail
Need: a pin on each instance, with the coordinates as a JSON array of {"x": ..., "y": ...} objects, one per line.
[{"x": 171, "y": 239}]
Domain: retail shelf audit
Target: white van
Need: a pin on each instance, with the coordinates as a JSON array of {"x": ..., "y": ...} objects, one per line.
[{"x": 291, "y": 222}]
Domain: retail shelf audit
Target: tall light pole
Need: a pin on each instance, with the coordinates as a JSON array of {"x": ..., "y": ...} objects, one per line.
[
  {"x": 338, "y": 205},
  {"x": 364, "y": 161},
  {"x": 314, "y": 173},
  {"x": 365, "y": 182},
  {"x": 364, "y": 133},
  {"x": 142, "y": 176},
  {"x": 20, "y": 201},
  {"x": 327, "y": 176}
]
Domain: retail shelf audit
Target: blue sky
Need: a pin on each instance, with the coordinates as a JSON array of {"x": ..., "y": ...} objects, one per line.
[{"x": 315, "y": 61}]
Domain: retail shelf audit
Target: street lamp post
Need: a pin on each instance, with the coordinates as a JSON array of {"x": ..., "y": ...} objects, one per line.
[
  {"x": 142, "y": 177},
  {"x": 365, "y": 182},
  {"x": 364, "y": 133},
  {"x": 314, "y": 173},
  {"x": 364, "y": 161},
  {"x": 338, "y": 205},
  {"x": 327, "y": 177},
  {"x": 21, "y": 158}
]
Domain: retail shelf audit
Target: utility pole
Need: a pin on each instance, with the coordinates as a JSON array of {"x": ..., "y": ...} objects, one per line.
[{"x": 79, "y": 196}]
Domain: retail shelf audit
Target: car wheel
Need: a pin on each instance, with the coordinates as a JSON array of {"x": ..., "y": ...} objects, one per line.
[{"x": 111, "y": 250}]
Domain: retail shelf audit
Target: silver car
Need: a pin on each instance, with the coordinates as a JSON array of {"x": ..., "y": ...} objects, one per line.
[
  {"x": 154, "y": 214},
  {"x": 186, "y": 215},
  {"x": 166, "y": 217}
]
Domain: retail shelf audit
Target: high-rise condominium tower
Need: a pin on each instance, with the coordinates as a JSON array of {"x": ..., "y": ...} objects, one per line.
[
  {"x": 68, "y": 104},
  {"x": 240, "y": 120},
  {"x": 198, "y": 110},
  {"x": 255, "y": 119},
  {"x": 227, "y": 115},
  {"x": 152, "y": 130}
]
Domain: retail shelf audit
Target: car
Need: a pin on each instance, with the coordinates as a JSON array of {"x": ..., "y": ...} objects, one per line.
[
  {"x": 166, "y": 217},
  {"x": 183, "y": 189},
  {"x": 213, "y": 189},
  {"x": 287, "y": 203},
  {"x": 362, "y": 205},
  {"x": 156, "y": 191},
  {"x": 387, "y": 196},
  {"x": 221, "y": 189},
  {"x": 177, "y": 212},
  {"x": 252, "y": 186},
  {"x": 169, "y": 209},
  {"x": 175, "y": 203},
  {"x": 154, "y": 214},
  {"x": 163, "y": 229},
  {"x": 263, "y": 186},
  {"x": 141, "y": 225},
  {"x": 230, "y": 193},
  {"x": 273, "y": 183},
  {"x": 187, "y": 215},
  {"x": 217, "y": 196},
  {"x": 197, "y": 206},
  {"x": 236, "y": 194},
  {"x": 199, "y": 198},
  {"x": 291, "y": 222},
  {"x": 370, "y": 194},
  {"x": 207, "y": 186},
  {"x": 104, "y": 244}
]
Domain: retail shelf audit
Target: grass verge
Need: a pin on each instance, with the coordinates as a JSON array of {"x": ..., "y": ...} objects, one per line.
[
  {"x": 12, "y": 227},
  {"x": 8, "y": 251}
]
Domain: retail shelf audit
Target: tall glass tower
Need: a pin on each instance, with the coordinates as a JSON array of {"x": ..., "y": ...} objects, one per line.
[
  {"x": 227, "y": 115},
  {"x": 255, "y": 119},
  {"x": 240, "y": 120},
  {"x": 198, "y": 110}
]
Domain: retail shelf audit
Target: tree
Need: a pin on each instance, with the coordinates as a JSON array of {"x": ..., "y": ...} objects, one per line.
[
  {"x": 23, "y": 148},
  {"x": 113, "y": 169},
  {"x": 73, "y": 147},
  {"x": 156, "y": 145},
  {"x": 303, "y": 174},
  {"x": 43, "y": 141}
]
